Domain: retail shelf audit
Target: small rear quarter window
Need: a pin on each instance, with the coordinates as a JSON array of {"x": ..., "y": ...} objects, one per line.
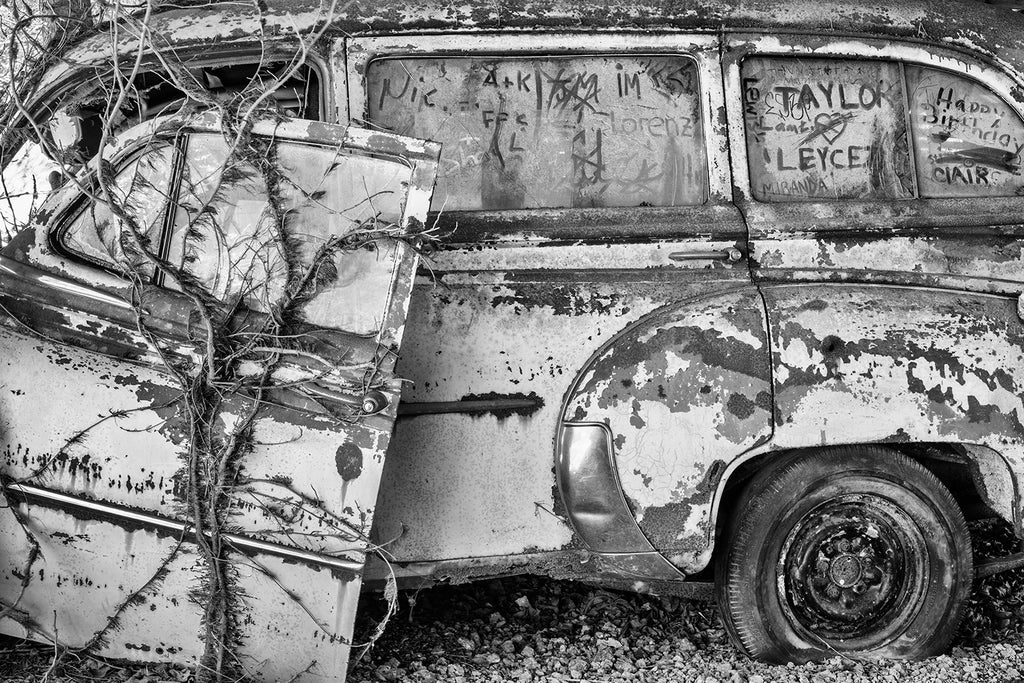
[
  {"x": 549, "y": 132},
  {"x": 968, "y": 140}
]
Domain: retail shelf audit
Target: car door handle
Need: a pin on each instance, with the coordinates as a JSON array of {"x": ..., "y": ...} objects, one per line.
[{"x": 732, "y": 254}]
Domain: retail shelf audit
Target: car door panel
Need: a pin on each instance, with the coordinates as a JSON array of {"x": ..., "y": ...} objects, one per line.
[
  {"x": 536, "y": 252},
  {"x": 95, "y": 437}
]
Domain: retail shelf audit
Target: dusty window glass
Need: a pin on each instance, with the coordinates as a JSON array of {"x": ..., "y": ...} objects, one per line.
[
  {"x": 226, "y": 233},
  {"x": 141, "y": 189},
  {"x": 521, "y": 133},
  {"x": 825, "y": 129},
  {"x": 968, "y": 140}
]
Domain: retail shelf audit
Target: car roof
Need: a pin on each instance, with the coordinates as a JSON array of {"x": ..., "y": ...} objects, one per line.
[{"x": 995, "y": 33}]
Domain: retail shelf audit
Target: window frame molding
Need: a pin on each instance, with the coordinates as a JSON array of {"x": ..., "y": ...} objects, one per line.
[{"x": 121, "y": 161}]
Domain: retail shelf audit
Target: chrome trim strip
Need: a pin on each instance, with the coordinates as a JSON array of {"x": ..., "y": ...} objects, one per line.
[
  {"x": 590, "y": 490},
  {"x": 321, "y": 391},
  {"x": 19, "y": 269},
  {"x": 175, "y": 526},
  {"x": 79, "y": 290}
]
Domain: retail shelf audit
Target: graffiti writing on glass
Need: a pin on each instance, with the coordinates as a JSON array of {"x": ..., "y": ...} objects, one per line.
[
  {"x": 550, "y": 132},
  {"x": 824, "y": 129}
]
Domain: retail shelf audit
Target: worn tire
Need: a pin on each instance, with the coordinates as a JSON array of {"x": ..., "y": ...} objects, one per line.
[{"x": 859, "y": 551}]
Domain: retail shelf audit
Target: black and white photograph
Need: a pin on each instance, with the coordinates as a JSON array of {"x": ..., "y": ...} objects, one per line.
[{"x": 525, "y": 341}]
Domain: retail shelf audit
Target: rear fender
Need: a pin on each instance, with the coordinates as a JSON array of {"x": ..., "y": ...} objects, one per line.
[
  {"x": 674, "y": 399},
  {"x": 882, "y": 364}
]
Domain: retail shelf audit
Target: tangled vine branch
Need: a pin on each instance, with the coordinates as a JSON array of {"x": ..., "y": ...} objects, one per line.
[{"x": 248, "y": 324}]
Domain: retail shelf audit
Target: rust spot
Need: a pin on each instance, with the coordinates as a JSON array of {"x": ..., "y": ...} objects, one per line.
[
  {"x": 740, "y": 406},
  {"x": 507, "y": 405},
  {"x": 349, "y": 460}
]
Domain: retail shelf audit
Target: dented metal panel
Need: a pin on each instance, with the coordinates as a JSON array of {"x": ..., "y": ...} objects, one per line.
[{"x": 96, "y": 431}]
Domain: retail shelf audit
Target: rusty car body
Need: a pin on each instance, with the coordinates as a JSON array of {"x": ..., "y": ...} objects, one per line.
[{"x": 733, "y": 280}]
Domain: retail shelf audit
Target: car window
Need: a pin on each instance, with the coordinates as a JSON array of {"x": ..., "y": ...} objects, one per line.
[
  {"x": 223, "y": 231},
  {"x": 573, "y": 131},
  {"x": 141, "y": 188},
  {"x": 154, "y": 93},
  {"x": 968, "y": 141},
  {"x": 825, "y": 129},
  {"x": 226, "y": 235}
]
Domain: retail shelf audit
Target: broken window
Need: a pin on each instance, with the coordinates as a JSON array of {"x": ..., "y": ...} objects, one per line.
[
  {"x": 968, "y": 141},
  {"x": 825, "y": 129},
  {"x": 523, "y": 133},
  {"x": 76, "y": 123},
  {"x": 141, "y": 189}
]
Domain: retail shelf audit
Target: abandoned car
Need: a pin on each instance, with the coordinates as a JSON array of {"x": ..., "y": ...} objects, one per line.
[{"x": 725, "y": 292}]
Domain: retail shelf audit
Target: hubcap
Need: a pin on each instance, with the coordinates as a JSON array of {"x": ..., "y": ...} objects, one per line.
[
  {"x": 850, "y": 568},
  {"x": 845, "y": 571}
]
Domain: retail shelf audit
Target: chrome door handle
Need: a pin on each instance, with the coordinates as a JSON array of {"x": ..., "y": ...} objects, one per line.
[{"x": 732, "y": 254}]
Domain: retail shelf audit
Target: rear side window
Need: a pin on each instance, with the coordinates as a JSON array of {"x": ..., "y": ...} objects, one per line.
[
  {"x": 968, "y": 141},
  {"x": 821, "y": 129},
  {"x": 550, "y": 132},
  {"x": 825, "y": 129}
]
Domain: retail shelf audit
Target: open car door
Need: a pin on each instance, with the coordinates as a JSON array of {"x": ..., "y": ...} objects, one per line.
[{"x": 297, "y": 236}]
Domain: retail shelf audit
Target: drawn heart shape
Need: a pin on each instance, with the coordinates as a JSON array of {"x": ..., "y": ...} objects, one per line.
[{"x": 831, "y": 126}]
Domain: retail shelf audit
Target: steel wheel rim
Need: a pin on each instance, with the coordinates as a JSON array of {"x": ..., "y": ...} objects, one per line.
[{"x": 853, "y": 571}]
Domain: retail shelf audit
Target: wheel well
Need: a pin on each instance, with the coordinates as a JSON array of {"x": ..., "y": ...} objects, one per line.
[{"x": 948, "y": 462}]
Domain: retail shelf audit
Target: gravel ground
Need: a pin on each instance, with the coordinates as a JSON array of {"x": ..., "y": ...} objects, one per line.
[
  {"x": 538, "y": 630},
  {"x": 534, "y": 629}
]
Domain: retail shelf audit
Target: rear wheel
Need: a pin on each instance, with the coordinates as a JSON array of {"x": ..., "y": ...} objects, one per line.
[{"x": 857, "y": 550}]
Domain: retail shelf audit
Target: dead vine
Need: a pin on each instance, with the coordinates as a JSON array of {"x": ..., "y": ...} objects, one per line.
[{"x": 248, "y": 322}]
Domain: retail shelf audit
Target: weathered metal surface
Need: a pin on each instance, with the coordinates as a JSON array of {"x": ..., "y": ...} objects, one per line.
[
  {"x": 857, "y": 364},
  {"x": 995, "y": 481},
  {"x": 950, "y": 238},
  {"x": 795, "y": 244},
  {"x": 564, "y": 280},
  {"x": 92, "y": 414},
  {"x": 962, "y": 23},
  {"x": 684, "y": 391},
  {"x": 996, "y": 566},
  {"x": 524, "y": 294}
]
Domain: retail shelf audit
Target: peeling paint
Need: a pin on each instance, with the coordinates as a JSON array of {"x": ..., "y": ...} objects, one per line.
[
  {"x": 684, "y": 391},
  {"x": 527, "y": 318},
  {"x": 89, "y": 411}
]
